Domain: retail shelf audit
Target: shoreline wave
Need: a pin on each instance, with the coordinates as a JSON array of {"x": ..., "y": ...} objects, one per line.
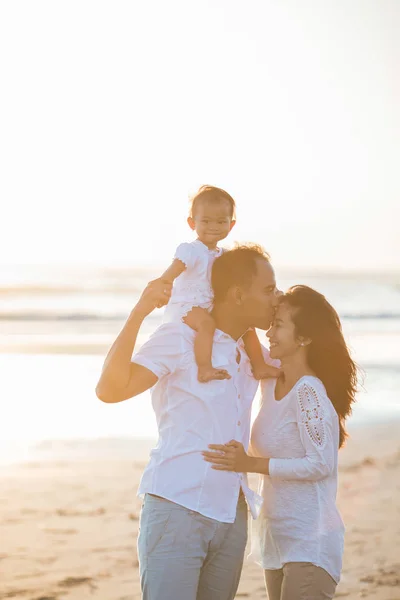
[{"x": 93, "y": 316}]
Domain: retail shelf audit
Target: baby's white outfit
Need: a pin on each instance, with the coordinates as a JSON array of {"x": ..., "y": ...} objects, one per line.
[{"x": 193, "y": 286}]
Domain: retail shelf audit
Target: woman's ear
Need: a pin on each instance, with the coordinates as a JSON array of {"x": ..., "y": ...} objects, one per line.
[
  {"x": 304, "y": 341},
  {"x": 190, "y": 222}
]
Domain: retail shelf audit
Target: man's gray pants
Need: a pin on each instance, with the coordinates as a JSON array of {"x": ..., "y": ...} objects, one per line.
[{"x": 186, "y": 556}]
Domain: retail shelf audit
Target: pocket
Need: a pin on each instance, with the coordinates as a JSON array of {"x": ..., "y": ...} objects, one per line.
[
  {"x": 216, "y": 387},
  {"x": 153, "y": 525},
  {"x": 168, "y": 534}
]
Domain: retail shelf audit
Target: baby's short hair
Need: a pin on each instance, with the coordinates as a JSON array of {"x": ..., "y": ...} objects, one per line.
[{"x": 210, "y": 193}]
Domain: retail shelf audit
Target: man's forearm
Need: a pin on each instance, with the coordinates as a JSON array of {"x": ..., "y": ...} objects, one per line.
[
  {"x": 116, "y": 369},
  {"x": 117, "y": 381}
]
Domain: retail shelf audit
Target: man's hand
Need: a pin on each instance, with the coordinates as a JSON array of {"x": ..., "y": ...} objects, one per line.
[{"x": 156, "y": 294}]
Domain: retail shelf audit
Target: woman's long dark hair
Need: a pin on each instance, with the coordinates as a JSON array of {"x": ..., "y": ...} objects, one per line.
[{"x": 327, "y": 354}]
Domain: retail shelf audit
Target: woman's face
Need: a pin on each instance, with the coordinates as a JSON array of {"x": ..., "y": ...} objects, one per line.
[{"x": 282, "y": 334}]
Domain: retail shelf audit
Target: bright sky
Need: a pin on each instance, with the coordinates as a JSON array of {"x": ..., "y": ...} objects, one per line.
[{"x": 111, "y": 113}]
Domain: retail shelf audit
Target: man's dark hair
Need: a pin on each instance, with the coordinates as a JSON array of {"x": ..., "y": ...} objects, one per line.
[{"x": 236, "y": 267}]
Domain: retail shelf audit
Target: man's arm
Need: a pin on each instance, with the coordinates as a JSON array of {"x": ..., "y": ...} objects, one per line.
[{"x": 120, "y": 378}]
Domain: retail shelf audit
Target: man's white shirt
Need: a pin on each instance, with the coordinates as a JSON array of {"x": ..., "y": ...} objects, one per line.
[{"x": 191, "y": 415}]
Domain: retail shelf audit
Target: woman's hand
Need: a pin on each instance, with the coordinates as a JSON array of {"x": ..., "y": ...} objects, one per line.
[{"x": 229, "y": 457}]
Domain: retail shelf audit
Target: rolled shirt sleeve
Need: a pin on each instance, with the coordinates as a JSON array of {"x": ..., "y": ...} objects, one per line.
[
  {"x": 314, "y": 421},
  {"x": 163, "y": 351}
]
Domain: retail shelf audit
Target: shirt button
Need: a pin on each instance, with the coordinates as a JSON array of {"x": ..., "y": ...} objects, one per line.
[
  {"x": 239, "y": 423},
  {"x": 239, "y": 396}
]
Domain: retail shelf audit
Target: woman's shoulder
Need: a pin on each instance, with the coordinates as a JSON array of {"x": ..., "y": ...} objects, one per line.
[
  {"x": 312, "y": 396},
  {"x": 310, "y": 381},
  {"x": 311, "y": 386}
]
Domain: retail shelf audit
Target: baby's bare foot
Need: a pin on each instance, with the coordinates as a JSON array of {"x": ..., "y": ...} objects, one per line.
[
  {"x": 205, "y": 374},
  {"x": 265, "y": 371}
]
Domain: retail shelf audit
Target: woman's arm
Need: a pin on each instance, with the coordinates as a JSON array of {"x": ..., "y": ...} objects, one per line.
[
  {"x": 316, "y": 435},
  {"x": 315, "y": 426}
]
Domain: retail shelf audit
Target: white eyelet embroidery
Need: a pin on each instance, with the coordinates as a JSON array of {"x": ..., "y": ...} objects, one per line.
[{"x": 311, "y": 414}]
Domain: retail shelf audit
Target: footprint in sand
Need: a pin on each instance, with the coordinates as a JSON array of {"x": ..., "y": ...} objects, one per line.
[
  {"x": 384, "y": 577},
  {"x": 367, "y": 462},
  {"x": 62, "y": 531},
  {"x": 73, "y": 581},
  {"x": 61, "y": 512}
]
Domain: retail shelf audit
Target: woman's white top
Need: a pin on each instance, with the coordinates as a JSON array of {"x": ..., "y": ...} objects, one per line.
[
  {"x": 193, "y": 286},
  {"x": 299, "y": 521}
]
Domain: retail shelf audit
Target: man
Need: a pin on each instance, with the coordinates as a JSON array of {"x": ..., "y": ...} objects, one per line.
[{"x": 193, "y": 524}]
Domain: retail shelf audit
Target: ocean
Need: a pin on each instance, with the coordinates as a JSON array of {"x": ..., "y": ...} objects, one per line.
[{"x": 57, "y": 324}]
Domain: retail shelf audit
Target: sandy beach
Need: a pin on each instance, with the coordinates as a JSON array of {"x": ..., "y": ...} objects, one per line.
[
  {"x": 132, "y": 133},
  {"x": 69, "y": 527}
]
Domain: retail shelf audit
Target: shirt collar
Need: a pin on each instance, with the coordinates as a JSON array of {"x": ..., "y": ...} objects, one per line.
[{"x": 225, "y": 337}]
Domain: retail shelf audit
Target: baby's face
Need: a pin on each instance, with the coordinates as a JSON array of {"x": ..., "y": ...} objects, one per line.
[{"x": 212, "y": 222}]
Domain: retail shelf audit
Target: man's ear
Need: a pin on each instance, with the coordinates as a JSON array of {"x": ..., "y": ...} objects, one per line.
[
  {"x": 190, "y": 222},
  {"x": 236, "y": 294},
  {"x": 233, "y": 223}
]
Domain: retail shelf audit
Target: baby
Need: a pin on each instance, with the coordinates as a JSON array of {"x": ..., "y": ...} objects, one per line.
[{"x": 212, "y": 216}]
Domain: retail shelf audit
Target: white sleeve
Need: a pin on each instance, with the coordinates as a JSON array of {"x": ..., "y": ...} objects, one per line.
[
  {"x": 316, "y": 433},
  {"x": 163, "y": 351},
  {"x": 186, "y": 253}
]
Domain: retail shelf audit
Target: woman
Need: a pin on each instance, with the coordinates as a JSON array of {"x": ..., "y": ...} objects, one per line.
[{"x": 295, "y": 441}]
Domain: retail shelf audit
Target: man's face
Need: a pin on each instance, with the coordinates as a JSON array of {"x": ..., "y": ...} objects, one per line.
[{"x": 260, "y": 300}]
